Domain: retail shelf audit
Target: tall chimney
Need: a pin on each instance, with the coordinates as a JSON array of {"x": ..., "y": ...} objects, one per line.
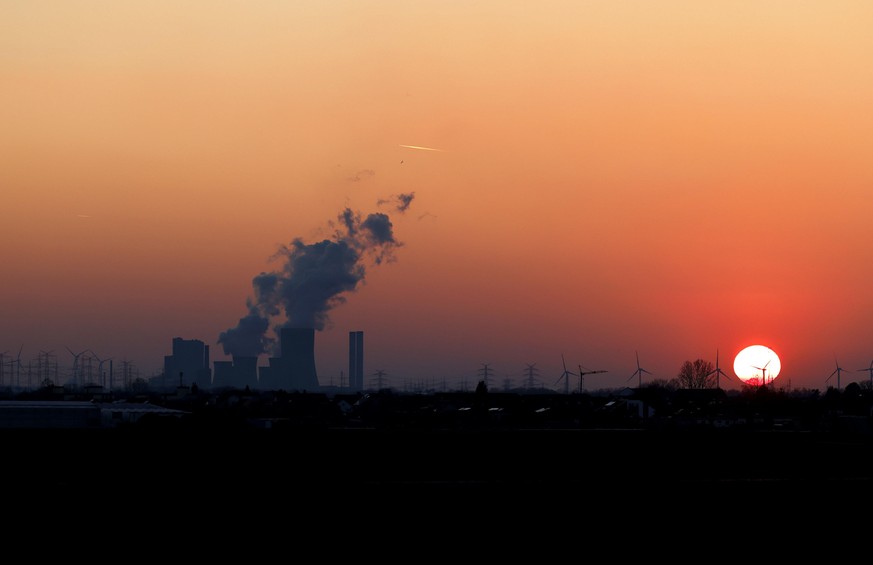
[{"x": 356, "y": 360}]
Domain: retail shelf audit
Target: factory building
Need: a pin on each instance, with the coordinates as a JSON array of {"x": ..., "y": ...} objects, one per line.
[
  {"x": 188, "y": 365},
  {"x": 242, "y": 372}
]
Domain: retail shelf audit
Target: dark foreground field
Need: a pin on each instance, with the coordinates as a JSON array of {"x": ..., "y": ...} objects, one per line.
[
  {"x": 325, "y": 473},
  {"x": 360, "y": 491}
]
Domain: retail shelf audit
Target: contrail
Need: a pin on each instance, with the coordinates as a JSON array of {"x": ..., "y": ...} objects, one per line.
[{"x": 419, "y": 147}]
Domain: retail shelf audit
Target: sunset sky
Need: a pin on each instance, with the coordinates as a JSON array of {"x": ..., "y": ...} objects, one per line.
[{"x": 611, "y": 178}]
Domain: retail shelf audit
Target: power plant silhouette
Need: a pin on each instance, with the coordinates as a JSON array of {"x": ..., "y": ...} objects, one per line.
[
  {"x": 287, "y": 306},
  {"x": 313, "y": 279},
  {"x": 292, "y": 370}
]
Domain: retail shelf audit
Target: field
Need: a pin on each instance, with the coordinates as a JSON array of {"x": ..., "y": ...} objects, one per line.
[{"x": 414, "y": 468}]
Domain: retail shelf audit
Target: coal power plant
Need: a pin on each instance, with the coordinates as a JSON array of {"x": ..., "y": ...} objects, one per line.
[
  {"x": 297, "y": 362},
  {"x": 293, "y": 370},
  {"x": 313, "y": 279}
]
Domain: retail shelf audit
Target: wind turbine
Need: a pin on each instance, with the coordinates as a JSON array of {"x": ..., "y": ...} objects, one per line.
[
  {"x": 566, "y": 376},
  {"x": 717, "y": 371},
  {"x": 42, "y": 373},
  {"x": 763, "y": 372},
  {"x": 587, "y": 372},
  {"x": 870, "y": 370},
  {"x": 76, "y": 365},
  {"x": 100, "y": 375},
  {"x": 837, "y": 372},
  {"x": 18, "y": 367},
  {"x": 639, "y": 372}
]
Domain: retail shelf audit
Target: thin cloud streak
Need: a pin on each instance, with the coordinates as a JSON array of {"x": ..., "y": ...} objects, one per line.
[{"x": 421, "y": 148}]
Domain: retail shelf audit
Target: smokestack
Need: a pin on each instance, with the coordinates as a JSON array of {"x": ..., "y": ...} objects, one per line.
[
  {"x": 356, "y": 360},
  {"x": 298, "y": 358}
]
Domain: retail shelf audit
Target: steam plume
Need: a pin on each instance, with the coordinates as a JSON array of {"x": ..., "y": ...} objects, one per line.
[
  {"x": 401, "y": 201},
  {"x": 312, "y": 279}
]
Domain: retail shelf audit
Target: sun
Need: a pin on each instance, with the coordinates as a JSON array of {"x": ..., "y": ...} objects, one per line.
[{"x": 757, "y": 365}]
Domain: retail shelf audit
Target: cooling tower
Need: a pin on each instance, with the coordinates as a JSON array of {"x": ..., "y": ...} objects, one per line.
[{"x": 298, "y": 358}]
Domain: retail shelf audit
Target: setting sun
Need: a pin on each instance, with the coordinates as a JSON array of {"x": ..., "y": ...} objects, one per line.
[{"x": 757, "y": 365}]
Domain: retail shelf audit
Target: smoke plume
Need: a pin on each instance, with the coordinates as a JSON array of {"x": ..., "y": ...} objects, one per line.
[
  {"x": 401, "y": 201},
  {"x": 313, "y": 278}
]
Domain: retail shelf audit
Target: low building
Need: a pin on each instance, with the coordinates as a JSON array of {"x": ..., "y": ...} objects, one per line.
[{"x": 74, "y": 414}]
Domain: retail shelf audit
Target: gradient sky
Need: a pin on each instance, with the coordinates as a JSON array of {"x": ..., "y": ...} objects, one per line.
[{"x": 669, "y": 178}]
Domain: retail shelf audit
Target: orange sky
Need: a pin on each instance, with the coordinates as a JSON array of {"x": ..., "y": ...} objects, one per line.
[{"x": 670, "y": 178}]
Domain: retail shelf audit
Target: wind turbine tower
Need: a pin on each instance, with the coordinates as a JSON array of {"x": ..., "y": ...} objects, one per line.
[
  {"x": 100, "y": 375},
  {"x": 717, "y": 371},
  {"x": 639, "y": 372},
  {"x": 763, "y": 372},
  {"x": 565, "y": 375},
  {"x": 76, "y": 367},
  {"x": 837, "y": 372},
  {"x": 18, "y": 367},
  {"x": 870, "y": 370}
]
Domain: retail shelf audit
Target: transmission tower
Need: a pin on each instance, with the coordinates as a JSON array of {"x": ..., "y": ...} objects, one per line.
[
  {"x": 507, "y": 384},
  {"x": 380, "y": 379},
  {"x": 485, "y": 372},
  {"x": 531, "y": 375}
]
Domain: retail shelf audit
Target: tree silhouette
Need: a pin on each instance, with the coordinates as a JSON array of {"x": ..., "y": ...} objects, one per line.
[{"x": 696, "y": 374}]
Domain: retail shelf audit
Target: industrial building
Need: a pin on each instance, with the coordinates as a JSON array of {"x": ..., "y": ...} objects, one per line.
[
  {"x": 188, "y": 365},
  {"x": 241, "y": 372},
  {"x": 72, "y": 414},
  {"x": 293, "y": 370}
]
